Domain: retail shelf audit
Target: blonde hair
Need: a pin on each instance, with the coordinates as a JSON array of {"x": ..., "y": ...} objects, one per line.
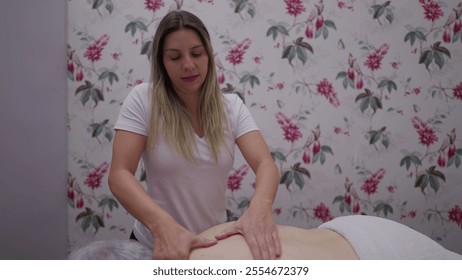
[{"x": 168, "y": 111}]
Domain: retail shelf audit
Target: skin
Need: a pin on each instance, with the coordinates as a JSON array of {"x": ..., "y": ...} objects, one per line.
[{"x": 186, "y": 62}]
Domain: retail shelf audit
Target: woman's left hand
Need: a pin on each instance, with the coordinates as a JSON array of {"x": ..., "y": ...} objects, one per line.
[{"x": 260, "y": 232}]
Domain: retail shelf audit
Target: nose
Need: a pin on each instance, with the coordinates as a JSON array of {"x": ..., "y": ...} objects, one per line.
[{"x": 188, "y": 63}]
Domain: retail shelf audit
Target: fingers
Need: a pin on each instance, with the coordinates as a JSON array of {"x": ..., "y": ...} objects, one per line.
[
  {"x": 201, "y": 242},
  {"x": 227, "y": 232},
  {"x": 266, "y": 246}
]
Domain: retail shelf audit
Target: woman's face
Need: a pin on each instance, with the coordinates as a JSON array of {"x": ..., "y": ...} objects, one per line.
[{"x": 186, "y": 61}]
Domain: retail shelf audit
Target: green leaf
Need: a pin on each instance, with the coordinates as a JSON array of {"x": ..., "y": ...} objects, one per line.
[
  {"x": 327, "y": 149},
  {"x": 439, "y": 60},
  {"x": 375, "y": 136},
  {"x": 330, "y": 24},
  {"x": 434, "y": 183},
  {"x": 273, "y": 30},
  {"x": 341, "y": 74},
  {"x": 364, "y": 104},
  {"x": 410, "y": 36},
  {"x": 299, "y": 180},
  {"x": 301, "y": 54},
  {"x": 339, "y": 198},
  {"x": 405, "y": 161},
  {"x": 131, "y": 27}
]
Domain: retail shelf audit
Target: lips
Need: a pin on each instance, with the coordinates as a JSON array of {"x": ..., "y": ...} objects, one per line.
[{"x": 191, "y": 78}]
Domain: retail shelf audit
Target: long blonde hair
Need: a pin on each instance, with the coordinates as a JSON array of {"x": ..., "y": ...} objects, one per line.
[{"x": 168, "y": 111}]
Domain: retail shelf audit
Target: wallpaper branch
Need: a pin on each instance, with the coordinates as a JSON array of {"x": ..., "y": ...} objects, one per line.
[{"x": 359, "y": 100}]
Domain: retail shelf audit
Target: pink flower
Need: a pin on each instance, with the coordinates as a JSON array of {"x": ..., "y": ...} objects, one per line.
[
  {"x": 427, "y": 136},
  {"x": 235, "y": 179},
  {"x": 79, "y": 203},
  {"x": 356, "y": 207},
  {"x": 236, "y": 54},
  {"x": 326, "y": 89},
  {"x": 70, "y": 66},
  {"x": 94, "y": 51},
  {"x": 306, "y": 157},
  {"x": 70, "y": 193},
  {"x": 351, "y": 74},
  {"x": 374, "y": 60},
  {"x": 321, "y": 212},
  {"x": 455, "y": 215},
  {"x": 79, "y": 75},
  {"x": 309, "y": 31},
  {"x": 347, "y": 198},
  {"x": 451, "y": 151},
  {"x": 412, "y": 214},
  {"x": 94, "y": 178},
  {"x": 277, "y": 211},
  {"x": 341, "y": 4},
  {"x": 153, "y": 5},
  {"x": 291, "y": 131},
  {"x": 316, "y": 147},
  {"x": 457, "y": 91},
  {"x": 457, "y": 25},
  {"x": 294, "y": 7},
  {"x": 432, "y": 10},
  {"x": 441, "y": 160},
  {"x": 221, "y": 77},
  {"x": 319, "y": 22},
  {"x": 359, "y": 82},
  {"x": 371, "y": 184},
  {"x": 447, "y": 35}
]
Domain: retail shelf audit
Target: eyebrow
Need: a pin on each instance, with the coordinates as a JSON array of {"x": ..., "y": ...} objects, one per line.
[{"x": 176, "y": 50}]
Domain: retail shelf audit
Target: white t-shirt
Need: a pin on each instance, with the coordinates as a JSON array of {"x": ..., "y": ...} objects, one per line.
[{"x": 193, "y": 194}]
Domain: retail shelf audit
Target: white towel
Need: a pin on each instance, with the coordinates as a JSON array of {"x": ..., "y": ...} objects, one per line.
[{"x": 375, "y": 238}]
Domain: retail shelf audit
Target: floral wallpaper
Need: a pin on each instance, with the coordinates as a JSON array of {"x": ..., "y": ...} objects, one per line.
[{"x": 360, "y": 102}]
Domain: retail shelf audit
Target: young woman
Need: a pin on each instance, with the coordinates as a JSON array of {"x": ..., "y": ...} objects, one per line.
[{"x": 185, "y": 130}]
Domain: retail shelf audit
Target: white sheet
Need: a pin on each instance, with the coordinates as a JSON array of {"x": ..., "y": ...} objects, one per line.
[{"x": 375, "y": 238}]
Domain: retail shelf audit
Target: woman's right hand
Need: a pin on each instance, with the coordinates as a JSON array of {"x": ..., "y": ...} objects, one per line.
[{"x": 174, "y": 242}]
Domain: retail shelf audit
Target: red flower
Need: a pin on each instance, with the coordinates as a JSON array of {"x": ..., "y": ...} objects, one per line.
[
  {"x": 79, "y": 203},
  {"x": 321, "y": 212},
  {"x": 79, "y": 75},
  {"x": 235, "y": 179},
  {"x": 457, "y": 25},
  {"x": 441, "y": 160},
  {"x": 447, "y": 35},
  {"x": 235, "y": 55},
  {"x": 309, "y": 31},
  {"x": 70, "y": 66},
  {"x": 347, "y": 198},
  {"x": 316, "y": 147},
  {"x": 326, "y": 89},
  {"x": 291, "y": 131},
  {"x": 451, "y": 151},
  {"x": 319, "y": 21},
  {"x": 427, "y": 136},
  {"x": 359, "y": 82},
  {"x": 306, "y": 157},
  {"x": 70, "y": 193},
  {"x": 455, "y": 215},
  {"x": 371, "y": 184},
  {"x": 356, "y": 207},
  {"x": 457, "y": 91},
  {"x": 432, "y": 10},
  {"x": 153, "y": 5},
  {"x": 351, "y": 74},
  {"x": 94, "y": 51},
  {"x": 374, "y": 60},
  {"x": 294, "y": 7},
  {"x": 221, "y": 77},
  {"x": 277, "y": 211},
  {"x": 94, "y": 178}
]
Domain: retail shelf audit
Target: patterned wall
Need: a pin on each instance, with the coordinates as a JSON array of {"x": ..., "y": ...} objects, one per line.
[{"x": 359, "y": 100}]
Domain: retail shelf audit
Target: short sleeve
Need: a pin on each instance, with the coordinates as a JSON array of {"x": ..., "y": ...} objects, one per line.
[
  {"x": 134, "y": 116},
  {"x": 242, "y": 121}
]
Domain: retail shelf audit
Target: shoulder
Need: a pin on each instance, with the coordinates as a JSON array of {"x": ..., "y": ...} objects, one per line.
[
  {"x": 232, "y": 99},
  {"x": 141, "y": 90}
]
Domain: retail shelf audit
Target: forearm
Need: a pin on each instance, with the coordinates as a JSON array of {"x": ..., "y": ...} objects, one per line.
[
  {"x": 131, "y": 194},
  {"x": 266, "y": 184}
]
